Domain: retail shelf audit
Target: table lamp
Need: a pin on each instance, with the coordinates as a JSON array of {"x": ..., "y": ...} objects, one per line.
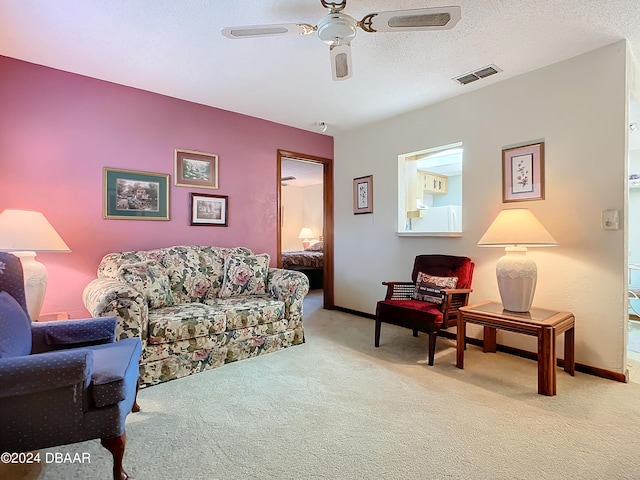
[
  {"x": 24, "y": 233},
  {"x": 516, "y": 229},
  {"x": 306, "y": 234}
]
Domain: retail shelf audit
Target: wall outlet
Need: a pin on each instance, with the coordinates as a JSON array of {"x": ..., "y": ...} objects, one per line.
[{"x": 610, "y": 220}]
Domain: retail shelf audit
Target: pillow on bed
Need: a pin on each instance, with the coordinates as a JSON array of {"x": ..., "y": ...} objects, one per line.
[{"x": 316, "y": 247}]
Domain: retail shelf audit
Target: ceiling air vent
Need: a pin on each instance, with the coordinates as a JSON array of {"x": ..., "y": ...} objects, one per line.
[{"x": 477, "y": 75}]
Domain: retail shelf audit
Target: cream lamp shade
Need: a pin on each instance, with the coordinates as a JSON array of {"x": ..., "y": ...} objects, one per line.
[
  {"x": 24, "y": 233},
  {"x": 306, "y": 234},
  {"x": 516, "y": 229}
]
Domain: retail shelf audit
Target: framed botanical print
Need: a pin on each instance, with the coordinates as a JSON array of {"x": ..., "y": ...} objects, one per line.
[
  {"x": 523, "y": 173},
  {"x": 363, "y": 195}
]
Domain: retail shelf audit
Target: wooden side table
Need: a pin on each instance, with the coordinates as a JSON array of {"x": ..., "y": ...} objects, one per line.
[{"x": 538, "y": 322}]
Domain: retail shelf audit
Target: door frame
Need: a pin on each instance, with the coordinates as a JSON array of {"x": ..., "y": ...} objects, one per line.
[{"x": 327, "y": 213}]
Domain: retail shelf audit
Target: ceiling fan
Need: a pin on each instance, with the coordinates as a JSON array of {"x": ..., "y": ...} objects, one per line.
[{"x": 337, "y": 29}]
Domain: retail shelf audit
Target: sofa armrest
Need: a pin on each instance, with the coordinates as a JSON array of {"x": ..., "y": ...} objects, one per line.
[
  {"x": 289, "y": 286},
  {"x": 49, "y": 336},
  {"x": 45, "y": 371},
  {"x": 106, "y": 297}
]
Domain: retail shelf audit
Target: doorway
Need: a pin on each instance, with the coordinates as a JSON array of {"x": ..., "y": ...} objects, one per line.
[{"x": 285, "y": 156}]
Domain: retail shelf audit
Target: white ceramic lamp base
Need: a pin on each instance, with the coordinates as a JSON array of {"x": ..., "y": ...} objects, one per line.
[
  {"x": 517, "y": 276},
  {"x": 35, "y": 282}
]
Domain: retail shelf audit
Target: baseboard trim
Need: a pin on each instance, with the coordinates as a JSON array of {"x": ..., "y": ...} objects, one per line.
[
  {"x": 355, "y": 312},
  {"x": 580, "y": 367}
]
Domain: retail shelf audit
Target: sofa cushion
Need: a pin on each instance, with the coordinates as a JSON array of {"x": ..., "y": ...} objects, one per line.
[
  {"x": 110, "y": 264},
  {"x": 189, "y": 273},
  {"x": 241, "y": 312},
  {"x": 15, "y": 328},
  {"x": 407, "y": 313},
  {"x": 245, "y": 275},
  {"x": 181, "y": 322},
  {"x": 151, "y": 280}
]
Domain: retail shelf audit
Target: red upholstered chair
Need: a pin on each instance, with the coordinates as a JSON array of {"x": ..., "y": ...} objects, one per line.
[{"x": 400, "y": 306}]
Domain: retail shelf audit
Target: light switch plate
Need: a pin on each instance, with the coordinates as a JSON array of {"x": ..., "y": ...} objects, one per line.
[{"x": 610, "y": 220}]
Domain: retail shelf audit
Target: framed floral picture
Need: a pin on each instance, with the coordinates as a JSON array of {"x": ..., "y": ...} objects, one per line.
[
  {"x": 523, "y": 173},
  {"x": 363, "y": 195},
  {"x": 196, "y": 169},
  {"x": 209, "y": 210},
  {"x": 132, "y": 195}
]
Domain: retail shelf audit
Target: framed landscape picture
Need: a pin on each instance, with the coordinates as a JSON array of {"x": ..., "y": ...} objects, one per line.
[
  {"x": 209, "y": 210},
  {"x": 196, "y": 169},
  {"x": 133, "y": 195},
  {"x": 523, "y": 173}
]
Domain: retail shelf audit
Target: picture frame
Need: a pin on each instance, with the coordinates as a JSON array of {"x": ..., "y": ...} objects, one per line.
[
  {"x": 135, "y": 195},
  {"x": 363, "y": 195},
  {"x": 523, "y": 173},
  {"x": 195, "y": 169},
  {"x": 209, "y": 210}
]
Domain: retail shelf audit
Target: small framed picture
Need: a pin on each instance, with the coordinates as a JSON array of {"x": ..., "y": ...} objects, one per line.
[
  {"x": 363, "y": 195},
  {"x": 209, "y": 210},
  {"x": 523, "y": 173},
  {"x": 196, "y": 169},
  {"x": 132, "y": 195}
]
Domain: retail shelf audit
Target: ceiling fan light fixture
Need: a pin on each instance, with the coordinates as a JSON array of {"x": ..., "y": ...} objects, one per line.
[{"x": 337, "y": 29}]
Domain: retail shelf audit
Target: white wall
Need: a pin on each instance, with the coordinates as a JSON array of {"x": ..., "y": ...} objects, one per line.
[
  {"x": 302, "y": 207},
  {"x": 578, "y": 108}
]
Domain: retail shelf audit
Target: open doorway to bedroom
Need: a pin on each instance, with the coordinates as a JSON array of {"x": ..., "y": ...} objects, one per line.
[{"x": 305, "y": 219}]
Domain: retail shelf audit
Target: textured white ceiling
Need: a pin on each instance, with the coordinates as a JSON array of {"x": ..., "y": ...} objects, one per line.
[
  {"x": 305, "y": 173},
  {"x": 174, "y": 47}
]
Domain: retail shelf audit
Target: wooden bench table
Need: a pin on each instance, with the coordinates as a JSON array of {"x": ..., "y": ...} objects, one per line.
[{"x": 544, "y": 324}]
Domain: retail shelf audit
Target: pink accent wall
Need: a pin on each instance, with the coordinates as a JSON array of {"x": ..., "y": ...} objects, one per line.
[{"x": 58, "y": 131}]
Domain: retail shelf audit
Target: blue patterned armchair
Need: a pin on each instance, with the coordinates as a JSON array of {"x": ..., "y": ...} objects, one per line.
[{"x": 61, "y": 382}]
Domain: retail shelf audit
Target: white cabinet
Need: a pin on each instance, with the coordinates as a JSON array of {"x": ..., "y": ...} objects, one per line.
[{"x": 432, "y": 183}]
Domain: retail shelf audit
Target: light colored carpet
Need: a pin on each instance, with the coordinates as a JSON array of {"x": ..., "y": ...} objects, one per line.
[{"x": 338, "y": 408}]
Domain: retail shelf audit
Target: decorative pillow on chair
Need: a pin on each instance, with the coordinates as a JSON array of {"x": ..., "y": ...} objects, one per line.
[
  {"x": 429, "y": 288},
  {"x": 245, "y": 275},
  {"x": 151, "y": 280},
  {"x": 15, "y": 328}
]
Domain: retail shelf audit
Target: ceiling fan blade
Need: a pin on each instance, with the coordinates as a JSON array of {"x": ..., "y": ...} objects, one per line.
[
  {"x": 341, "y": 61},
  {"x": 274, "y": 30},
  {"x": 439, "y": 18}
]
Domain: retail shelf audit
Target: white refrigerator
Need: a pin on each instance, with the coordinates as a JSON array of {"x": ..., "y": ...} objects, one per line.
[{"x": 447, "y": 218}]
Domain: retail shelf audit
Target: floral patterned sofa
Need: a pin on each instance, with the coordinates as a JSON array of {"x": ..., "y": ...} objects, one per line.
[{"x": 198, "y": 307}]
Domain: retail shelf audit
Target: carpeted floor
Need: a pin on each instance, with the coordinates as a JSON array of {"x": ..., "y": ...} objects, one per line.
[{"x": 338, "y": 408}]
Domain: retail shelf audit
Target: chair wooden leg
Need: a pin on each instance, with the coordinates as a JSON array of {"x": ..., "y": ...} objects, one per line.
[
  {"x": 376, "y": 341},
  {"x": 432, "y": 346},
  {"x": 415, "y": 332},
  {"x": 116, "y": 446},
  {"x": 136, "y": 407}
]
